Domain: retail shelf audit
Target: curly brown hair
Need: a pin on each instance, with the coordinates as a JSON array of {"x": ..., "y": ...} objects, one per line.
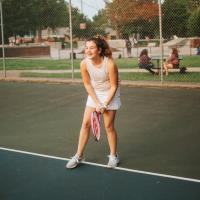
[
  {"x": 175, "y": 51},
  {"x": 144, "y": 52},
  {"x": 102, "y": 45}
]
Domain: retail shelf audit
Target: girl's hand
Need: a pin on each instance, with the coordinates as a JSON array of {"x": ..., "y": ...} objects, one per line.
[
  {"x": 99, "y": 107},
  {"x": 104, "y": 107},
  {"x": 103, "y": 110}
]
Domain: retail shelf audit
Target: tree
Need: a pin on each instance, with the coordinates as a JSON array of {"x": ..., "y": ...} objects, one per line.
[
  {"x": 193, "y": 4},
  {"x": 175, "y": 15},
  {"x": 78, "y": 19},
  {"x": 194, "y": 22},
  {"x": 128, "y": 14},
  {"x": 16, "y": 23},
  {"x": 22, "y": 16},
  {"x": 48, "y": 13},
  {"x": 36, "y": 15},
  {"x": 100, "y": 22}
]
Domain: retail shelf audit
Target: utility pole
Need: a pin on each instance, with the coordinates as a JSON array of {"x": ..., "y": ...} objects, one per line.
[
  {"x": 2, "y": 39},
  {"x": 71, "y": 38},
  {"x": 161, "y": 40}
]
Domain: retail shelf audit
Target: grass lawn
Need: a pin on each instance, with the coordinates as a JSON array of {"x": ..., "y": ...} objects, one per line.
[
  {"x": 139, "y": 76},
  {"x": 28, "y": 64},
  {"x": 45, "y": 64},
  {"x": 25, "y": 64}
]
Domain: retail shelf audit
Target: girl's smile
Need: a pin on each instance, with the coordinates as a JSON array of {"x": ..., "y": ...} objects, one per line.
[{"x": 91, "y": 50}]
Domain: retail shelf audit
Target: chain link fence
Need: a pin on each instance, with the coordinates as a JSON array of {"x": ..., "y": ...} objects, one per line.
[{"x": 47, "y": 37}]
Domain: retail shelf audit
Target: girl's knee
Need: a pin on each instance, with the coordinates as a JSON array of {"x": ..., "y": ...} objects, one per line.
[
  {"x": 85, "y": 125},
  {"x": 109, "y": 128}
]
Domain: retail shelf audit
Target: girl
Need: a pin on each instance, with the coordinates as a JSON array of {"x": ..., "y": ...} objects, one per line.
[
  {"x": 100, "y": 79},
  {"x": 145, "y": 61},
  {"x": 172, "y": 61}
]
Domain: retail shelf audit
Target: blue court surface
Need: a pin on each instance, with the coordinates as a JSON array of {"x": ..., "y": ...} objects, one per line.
[{"x": 32, "y": 176}]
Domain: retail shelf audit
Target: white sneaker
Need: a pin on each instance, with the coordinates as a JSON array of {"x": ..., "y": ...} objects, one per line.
[
  {"x": 73, "y": 162},
  {"x": 113, "y": 161}
]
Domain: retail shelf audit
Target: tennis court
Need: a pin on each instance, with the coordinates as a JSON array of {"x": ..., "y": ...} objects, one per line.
[{"x": 159, "y": 148}]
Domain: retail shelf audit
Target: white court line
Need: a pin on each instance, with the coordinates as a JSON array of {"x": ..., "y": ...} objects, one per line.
[{"x": 105, "y": 166}]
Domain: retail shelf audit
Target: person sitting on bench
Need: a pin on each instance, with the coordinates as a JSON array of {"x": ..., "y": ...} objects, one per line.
[
  {"x": 145, "y": 61},
  {"x": 172, "y": 61}
]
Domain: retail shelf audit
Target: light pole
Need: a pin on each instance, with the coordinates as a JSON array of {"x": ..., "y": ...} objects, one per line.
[{"x": 2, "y": 38}]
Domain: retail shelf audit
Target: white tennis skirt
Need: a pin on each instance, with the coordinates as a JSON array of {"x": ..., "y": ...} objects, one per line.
[{"x": 115, "y": 104}]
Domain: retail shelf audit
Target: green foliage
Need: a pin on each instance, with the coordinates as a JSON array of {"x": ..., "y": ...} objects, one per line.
[
  {"x": 16, "y": 17},
  {"x": 128, "y": 16},
  {"x": 123, "y": 63},
  {"x": 22, "y": 17},
  {"x": 194, "y": 23},
  {"x": 100, "y": 22},
  {"x": 193, "y": 4},
  {"x": 175, "y": 15},
  {"x": 180, "y": 17},
  {"x": 133, "y": 76}
]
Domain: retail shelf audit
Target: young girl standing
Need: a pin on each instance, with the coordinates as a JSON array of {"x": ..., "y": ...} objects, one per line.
[{"x": 100, "y": 79}]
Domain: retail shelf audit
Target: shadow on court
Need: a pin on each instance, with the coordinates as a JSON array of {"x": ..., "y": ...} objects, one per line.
[{"x": 158, "y": 132}]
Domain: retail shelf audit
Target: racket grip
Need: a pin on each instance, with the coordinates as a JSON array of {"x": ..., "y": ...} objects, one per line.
[{"x": 99, "y": 107}]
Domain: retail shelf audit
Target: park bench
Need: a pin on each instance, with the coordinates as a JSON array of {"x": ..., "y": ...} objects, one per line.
[{"x": 181, "y": 70}]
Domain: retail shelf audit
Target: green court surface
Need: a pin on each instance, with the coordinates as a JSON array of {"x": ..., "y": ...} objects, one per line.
[
  {"x": 158, "y": 132},
  {"x": 34, "y": 177}
]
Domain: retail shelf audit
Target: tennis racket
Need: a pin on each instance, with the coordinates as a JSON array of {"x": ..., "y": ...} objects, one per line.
[{"x": 95, "y": 125}]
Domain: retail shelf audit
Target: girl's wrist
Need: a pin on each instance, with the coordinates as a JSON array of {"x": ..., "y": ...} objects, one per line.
[
  {"x": 99, "y": 106},
  {"x": 105, "y": 104}
]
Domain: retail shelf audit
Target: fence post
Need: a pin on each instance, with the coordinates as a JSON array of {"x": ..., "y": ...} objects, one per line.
[
  {"x": 2, "y": 38},
  {"x": 161, "y": 41},
  {"x": 71, "y": 39}
]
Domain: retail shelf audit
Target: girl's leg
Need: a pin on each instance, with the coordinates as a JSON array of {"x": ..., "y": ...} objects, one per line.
[
  {"x": 168, "y": 66},
  {"x": 109, "y": 118},
  {"x": 165, "y": 68},
  {"x": 85, "y": 131},
  {"x": 83, "y": 139},
  {"x": 150, "y": 70}
]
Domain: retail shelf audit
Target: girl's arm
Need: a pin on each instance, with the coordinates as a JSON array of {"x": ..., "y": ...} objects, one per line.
[
  {"x": 87, "y": 83},
  {"x": 174, "y": 59},
  {"x": 113, "y": 77}
]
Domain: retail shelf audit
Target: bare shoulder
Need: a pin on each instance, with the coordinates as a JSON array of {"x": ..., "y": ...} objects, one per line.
[
  {"x": 111, "y": 64},
  {"x": 83, "y": 64}
]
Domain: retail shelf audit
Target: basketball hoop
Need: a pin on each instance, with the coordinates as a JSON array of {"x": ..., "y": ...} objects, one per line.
[{"x": 82, "y": 26}]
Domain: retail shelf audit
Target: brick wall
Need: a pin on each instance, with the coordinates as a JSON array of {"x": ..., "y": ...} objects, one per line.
[{"x": 23, "y": 51}]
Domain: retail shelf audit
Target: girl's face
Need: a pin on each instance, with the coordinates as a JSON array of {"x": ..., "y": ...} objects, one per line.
[{"x": 91, "y": 50}]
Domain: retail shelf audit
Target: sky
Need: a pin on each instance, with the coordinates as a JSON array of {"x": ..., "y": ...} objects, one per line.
[{"x": 89, "y": 7}]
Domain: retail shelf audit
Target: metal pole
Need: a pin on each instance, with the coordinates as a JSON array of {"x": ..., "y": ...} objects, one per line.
[
  {"x": 161, "y": 40},
  {"x": 71, "y": 39},
  {"x": 81, "y": 6},
  {"x": 2, "y": 38}
]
